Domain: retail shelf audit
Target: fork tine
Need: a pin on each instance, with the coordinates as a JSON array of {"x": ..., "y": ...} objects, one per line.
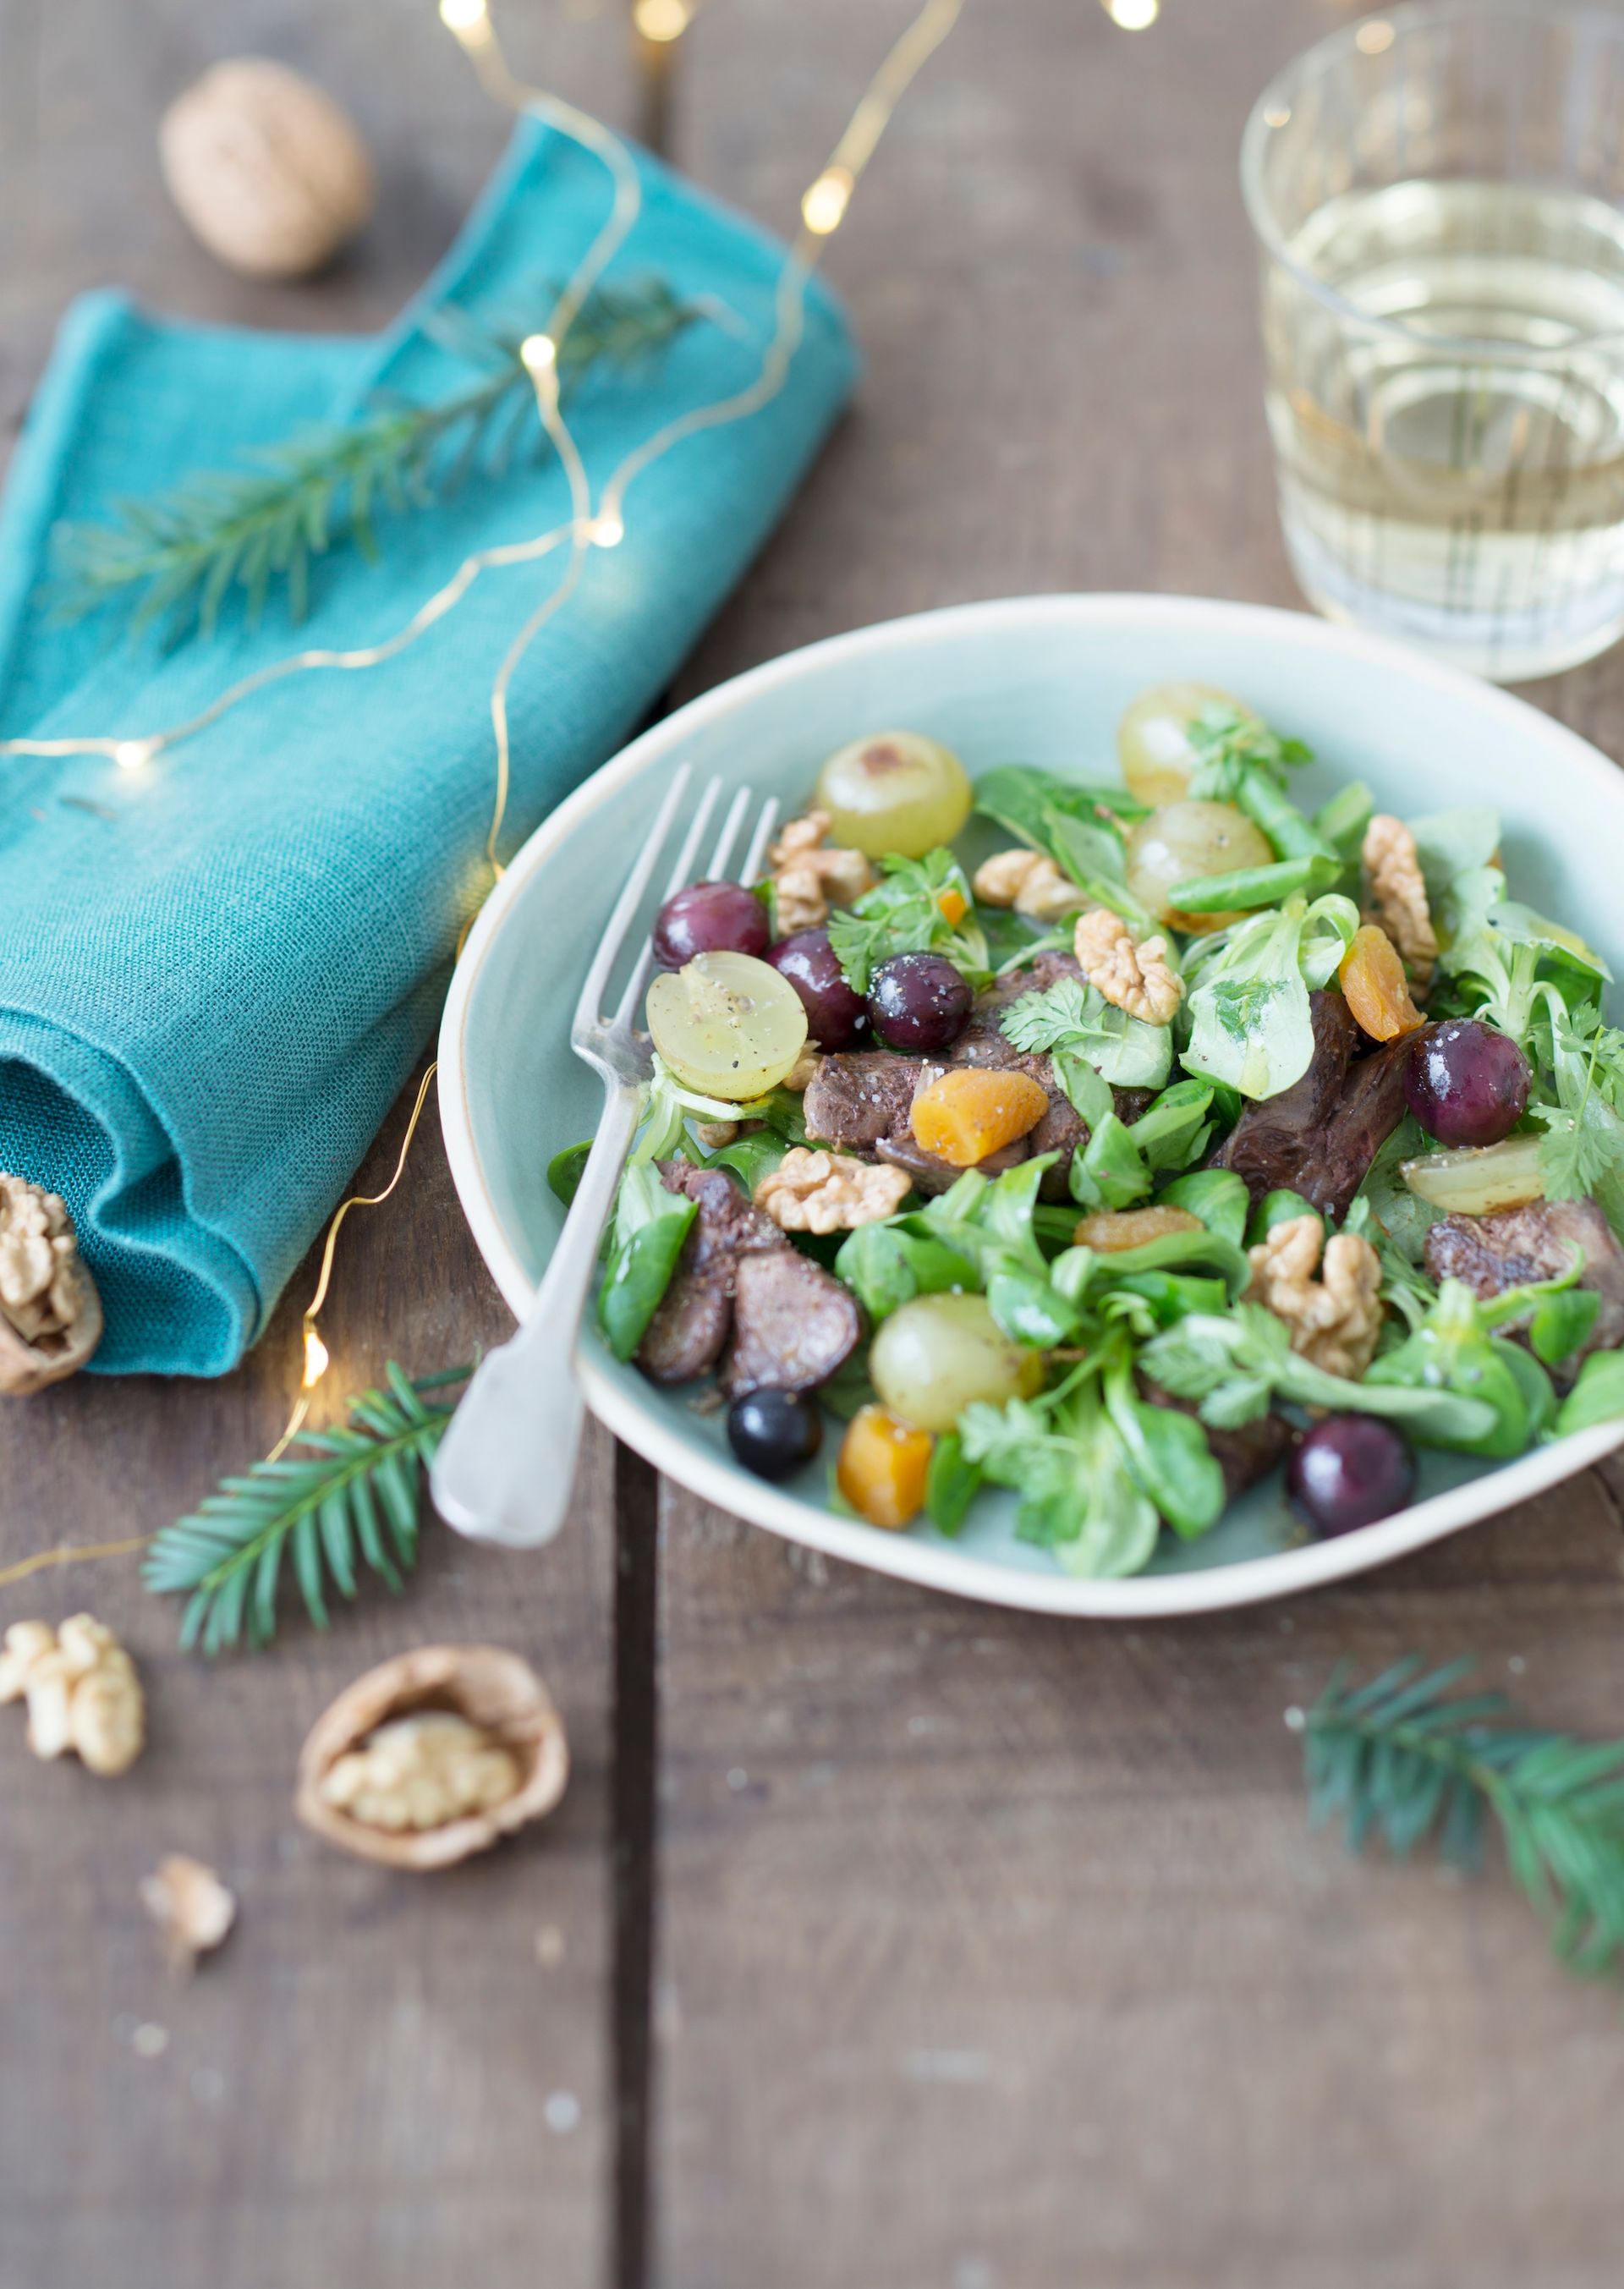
[
  {"x": 590, "y": 1004},
  {"x": 723, "y": 852},
  {"x": 760, "y": 840},
  {"x": 681, "y": 875}
]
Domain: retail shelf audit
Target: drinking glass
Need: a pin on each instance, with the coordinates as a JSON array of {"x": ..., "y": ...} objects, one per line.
[{"x": 1436, "y": 195}]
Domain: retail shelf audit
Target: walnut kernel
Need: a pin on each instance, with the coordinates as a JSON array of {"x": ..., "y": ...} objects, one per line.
[
  {"x": 82, "y": 1690},
  {"x": 809, "y": 879},
  {"x": 830, "y": 1191},
  {"x": 1335, "y": 1320},
  {"x": 1033, "y": 885},
  {"x": 1397, "y": 897},
  {"x": 192, "y": 1908},
  {"x": 1137, "y": 978},
  {"x": 49, "y": 1312}
]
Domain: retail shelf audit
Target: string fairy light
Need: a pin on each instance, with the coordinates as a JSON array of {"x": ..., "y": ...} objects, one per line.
[{"x": 604, "y": 525}]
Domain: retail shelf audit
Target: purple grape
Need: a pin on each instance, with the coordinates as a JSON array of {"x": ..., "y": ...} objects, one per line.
[
  {"x": 774, "y": 1433},
  {"x": 1466, "y": 1083},
  {"x": 709, "y": 917},
  {"x": 834, "y": 1013},
  {"x": 1350, "y": 1471},
  {"x": 917, "y": 1002}
]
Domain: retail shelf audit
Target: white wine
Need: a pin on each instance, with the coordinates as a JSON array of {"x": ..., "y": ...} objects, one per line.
[{"x": 1447, "y": 406}]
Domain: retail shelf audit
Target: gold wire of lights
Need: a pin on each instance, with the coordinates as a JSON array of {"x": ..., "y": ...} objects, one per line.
[{"x": 823, "y": 209}]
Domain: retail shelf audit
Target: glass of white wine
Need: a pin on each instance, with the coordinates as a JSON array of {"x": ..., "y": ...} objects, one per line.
[{"x": 1438, "y": 194}]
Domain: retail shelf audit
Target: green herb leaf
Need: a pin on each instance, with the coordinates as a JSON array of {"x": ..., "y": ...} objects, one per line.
[{"x": 903, "y": 913}]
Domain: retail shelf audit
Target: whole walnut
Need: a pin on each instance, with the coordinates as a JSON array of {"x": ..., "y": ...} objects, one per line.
[{"x": 269, "y": 171}]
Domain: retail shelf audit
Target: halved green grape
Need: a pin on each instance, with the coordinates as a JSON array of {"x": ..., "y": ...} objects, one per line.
[
  {"x": 894, "y": 792},
  {"x": 727, "y": 1024},
  {"x": 1478, "y": 1179},
  {"x": 1152, "y": 738},
  {"x": 935, "y": 1355},
  {"x": 1182, "y": 842}
]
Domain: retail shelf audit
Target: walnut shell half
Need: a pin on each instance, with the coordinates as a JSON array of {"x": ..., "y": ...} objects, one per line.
[
  {"x": 496, "y": 1691},
  {"x": 49, "y": 1312}
]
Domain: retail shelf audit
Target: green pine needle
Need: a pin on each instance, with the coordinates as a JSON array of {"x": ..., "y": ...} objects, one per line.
[
  {"x": 175, "y": 558},
  {"x": 354, "y": 1494},
  {"x": 1406, "y": 1758}
]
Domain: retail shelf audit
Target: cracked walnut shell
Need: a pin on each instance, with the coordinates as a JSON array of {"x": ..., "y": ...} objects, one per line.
[
  {"x": 380, "y": 1779},
  {"x": 49, "y": 1312}
]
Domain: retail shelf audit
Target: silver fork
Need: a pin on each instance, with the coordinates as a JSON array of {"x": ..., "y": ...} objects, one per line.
[{"x": 505, "y": 1467}]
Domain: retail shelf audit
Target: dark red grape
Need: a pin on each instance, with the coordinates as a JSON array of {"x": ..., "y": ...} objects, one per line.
[
  {"x": 774, "y": 1433},
  {"x": 709, "y": 917},
  {"x": 1466, "y": 1083},
  {"x": 917, "y": 1002},
  {"x": 834, "y": 1013},
  {"x": 1350, "y": 1471}
]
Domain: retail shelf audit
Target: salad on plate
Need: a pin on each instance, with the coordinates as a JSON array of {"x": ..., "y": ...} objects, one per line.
[{"x": 1121, "y": 1142}]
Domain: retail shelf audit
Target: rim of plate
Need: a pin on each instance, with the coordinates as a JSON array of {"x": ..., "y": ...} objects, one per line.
[{"x": 1248, "y": 1581}]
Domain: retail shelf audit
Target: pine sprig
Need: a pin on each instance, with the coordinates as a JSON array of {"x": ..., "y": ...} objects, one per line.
[
  {"x": 1406, "y": 1758},
  {"x": 177, "y": 556},
  {"x": 354, "y": 1494}
]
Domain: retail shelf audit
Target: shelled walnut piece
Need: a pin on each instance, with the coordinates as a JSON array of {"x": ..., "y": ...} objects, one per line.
[
  {"x": 1033, "y": 885},
  {"x": 433, "y": 1756},
  {"x": 1139, "y": 978},
  {"x": 49, "y": 1312},
  {"x": 193, "y": 1909},
  {"x": 1335, "y": 1320},
  {"x": 82, "y": 1690},
  {"x": 808, "y": 878},
  {"x": 830, "y": 1191},
  {"x": 268, "y": 171}
]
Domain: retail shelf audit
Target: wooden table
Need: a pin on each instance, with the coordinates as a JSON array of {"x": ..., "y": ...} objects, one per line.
[{"x": 882, "y": 1942}]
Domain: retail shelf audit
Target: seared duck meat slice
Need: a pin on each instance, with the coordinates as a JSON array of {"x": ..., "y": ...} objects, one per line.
[
  {"x": 793, "y": 1324},
  {"x": 1516, "y": 1246}
]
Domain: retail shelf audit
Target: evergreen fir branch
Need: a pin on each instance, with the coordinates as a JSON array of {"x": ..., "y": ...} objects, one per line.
[
  {"x": 175, "y": 558},
  {"x": 1408, "y": 1757},
  {"x": 354, "y": 1494}
]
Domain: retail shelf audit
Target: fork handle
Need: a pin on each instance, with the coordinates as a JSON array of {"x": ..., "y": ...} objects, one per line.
[{"x": 505, "y": 1467}]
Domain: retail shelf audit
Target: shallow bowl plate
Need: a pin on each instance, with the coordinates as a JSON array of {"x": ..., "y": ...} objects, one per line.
[{"x": 1039, "y": 680}]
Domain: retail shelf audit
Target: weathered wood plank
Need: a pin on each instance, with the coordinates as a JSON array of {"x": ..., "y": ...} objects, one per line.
[
  {"x": 379, "y": 2074},
  {"x": 995, "y": 1950}
]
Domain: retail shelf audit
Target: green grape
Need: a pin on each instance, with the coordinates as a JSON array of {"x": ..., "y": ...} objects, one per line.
[
  {"x": 931, "y": 1357},
  {"x": 727, "y": 1024},
  {"x": 1183, "y": 841},
  {"x": 1152, "y": 742},
  {"x": 895, "y": 792}
]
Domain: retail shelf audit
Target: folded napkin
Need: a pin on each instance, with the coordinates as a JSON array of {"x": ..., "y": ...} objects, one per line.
[{"x": 216, "y": 972}]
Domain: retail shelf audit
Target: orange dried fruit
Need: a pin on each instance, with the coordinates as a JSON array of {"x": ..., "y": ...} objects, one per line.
[
  {"x": 1111, "y": 1229},
  {"x": 953, "y": 906},
  {"x": 963, "y": 1115},
  {"x": 882, "y": 1466},
  {"x": 1372, "y": 977}
]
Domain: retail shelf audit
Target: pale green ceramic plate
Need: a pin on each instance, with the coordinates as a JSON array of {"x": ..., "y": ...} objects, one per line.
[{"x": 1039, "y": 680}]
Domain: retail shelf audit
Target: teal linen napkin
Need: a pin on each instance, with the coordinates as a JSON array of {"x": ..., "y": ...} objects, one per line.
[{"x": 216, "y": 973}]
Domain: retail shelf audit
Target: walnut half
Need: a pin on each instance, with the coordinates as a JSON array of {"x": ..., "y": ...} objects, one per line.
[
  {"x": 1398, "y": 894},
  {"x": 1335, "y": 1320},
  {"x": 49, "y": 1312},
  {"x": 830, "y": 1191},
  {"x": 82, "y": 1690},
  {"x": 809, "y": 876},
  {"x": 1137, "y": 978},
  {"x": 433, "y": 1756}
]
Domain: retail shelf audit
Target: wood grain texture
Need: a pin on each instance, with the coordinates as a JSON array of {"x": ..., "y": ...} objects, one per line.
[
  {"x": 994, "y": 1953},
  {"x": 381, "y": 2077}
]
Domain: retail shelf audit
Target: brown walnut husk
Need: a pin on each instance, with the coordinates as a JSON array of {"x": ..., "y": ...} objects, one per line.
[
  {"x": 49, "y": 1312},
  {"x": 496, "y": 1691}
]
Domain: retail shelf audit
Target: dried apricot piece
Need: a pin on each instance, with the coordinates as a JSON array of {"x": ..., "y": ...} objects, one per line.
[
  {"x": 963, "y": 1115},
  {"x": 882, "y": 1467},
  {"x": 1378, "y": 992},
  {"x": 1111, "y": 1229}
]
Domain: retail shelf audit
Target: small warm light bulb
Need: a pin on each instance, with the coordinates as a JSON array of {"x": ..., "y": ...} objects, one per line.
[
  {"x": 1133, "y": 15},
  {"x": 1279, "y": 114},
  {"x": 462, "y": 15},
  {"x": 539, "y": 352},
  {"x": 662, "y": 19},
  {"x": 608, "y": 531},
  {"x": 315, "y": 1359},
  {"x": 130, "y": 754},
  {"x": 1375, "y": 38},
  {"x": 824, "y": 204}
]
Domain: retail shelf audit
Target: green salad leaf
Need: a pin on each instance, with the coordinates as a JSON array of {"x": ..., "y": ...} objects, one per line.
[
  {"x": 910, "y": 910},
  {"x": 1074, "y": 1017},
  {"x": 1251, "y": 1025},
  {"x": 646, "y": 1239}
]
